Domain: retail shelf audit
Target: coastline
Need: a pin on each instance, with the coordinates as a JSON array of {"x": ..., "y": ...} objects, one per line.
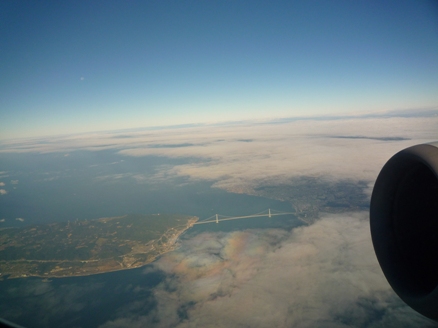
[{"x": 172, "y": 235}]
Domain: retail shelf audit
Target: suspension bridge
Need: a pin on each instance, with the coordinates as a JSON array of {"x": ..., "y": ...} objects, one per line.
[{"x": 266, "y": 213}]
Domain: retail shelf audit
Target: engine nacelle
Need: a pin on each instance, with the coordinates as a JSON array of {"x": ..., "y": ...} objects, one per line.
[{"x": 404, "y": 226}]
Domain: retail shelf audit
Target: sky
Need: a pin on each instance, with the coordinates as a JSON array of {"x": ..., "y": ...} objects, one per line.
[{"x": 73, "y": 67}]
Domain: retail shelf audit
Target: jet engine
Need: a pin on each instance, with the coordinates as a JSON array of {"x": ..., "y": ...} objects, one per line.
[{"x": 404, "y": 226}]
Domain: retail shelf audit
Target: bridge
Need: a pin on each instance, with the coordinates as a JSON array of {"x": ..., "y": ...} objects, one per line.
[{"x": 268, "y": 213}]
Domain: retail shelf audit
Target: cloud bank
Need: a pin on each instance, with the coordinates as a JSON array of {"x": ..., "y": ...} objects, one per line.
[
  {"x": 241, "y": 158},
  {"x": 238, "y": 157},
  {"x": 323, "y": 275}
]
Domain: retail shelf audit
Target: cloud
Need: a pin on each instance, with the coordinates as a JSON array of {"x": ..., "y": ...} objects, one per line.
[
  {"x": 301, "y": 148},
  {"x": 2, "y": 184},
  {"x": 110, "y": 177},
  {"x": 241, "y": 157},
  {"x": 323, "y": 275},
  {"x": 3, "y": 192},
  {"x": 14, "y": 182}
]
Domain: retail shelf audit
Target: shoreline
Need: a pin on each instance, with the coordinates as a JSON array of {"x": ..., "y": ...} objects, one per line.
[{"x": 169, "y": 248}]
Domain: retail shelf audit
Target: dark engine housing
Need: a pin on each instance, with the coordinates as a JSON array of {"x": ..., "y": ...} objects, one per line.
[{"x": 404, "y": 226}]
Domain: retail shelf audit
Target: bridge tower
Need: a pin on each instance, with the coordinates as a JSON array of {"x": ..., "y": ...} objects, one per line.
[
  {"x": 217, "y": 219},
  {"x": 269, "y": 211}
]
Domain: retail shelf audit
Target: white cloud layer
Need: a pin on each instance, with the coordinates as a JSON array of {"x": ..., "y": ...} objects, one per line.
[
  {"x": 239, "y": 156},
  {"x": 346, "y": 149},
  {"x": 323, "y": 275}
]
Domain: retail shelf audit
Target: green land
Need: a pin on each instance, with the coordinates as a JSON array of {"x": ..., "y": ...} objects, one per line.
[{"x": 88, "y": 247}]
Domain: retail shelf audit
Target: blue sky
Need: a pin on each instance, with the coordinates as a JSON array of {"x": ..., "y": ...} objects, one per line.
[{"x": 78, "y": 66}]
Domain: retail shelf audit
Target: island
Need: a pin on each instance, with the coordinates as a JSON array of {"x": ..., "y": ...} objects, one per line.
[{"x": 85, "y": 247}]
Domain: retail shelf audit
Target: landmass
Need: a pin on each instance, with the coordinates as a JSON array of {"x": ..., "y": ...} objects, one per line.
[
  {"x": 88, "y": 247},
  {"x": 310, "y": 196}
]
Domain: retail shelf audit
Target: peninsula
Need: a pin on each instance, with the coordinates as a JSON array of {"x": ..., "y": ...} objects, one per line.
[{"x": 88, "y": 247}]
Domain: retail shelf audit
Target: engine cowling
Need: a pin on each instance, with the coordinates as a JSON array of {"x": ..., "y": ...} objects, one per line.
[{"x": 404, "y": 226}]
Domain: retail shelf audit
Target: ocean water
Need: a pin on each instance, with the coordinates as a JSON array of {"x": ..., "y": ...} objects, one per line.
[{"x": 88, "y": 185}]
